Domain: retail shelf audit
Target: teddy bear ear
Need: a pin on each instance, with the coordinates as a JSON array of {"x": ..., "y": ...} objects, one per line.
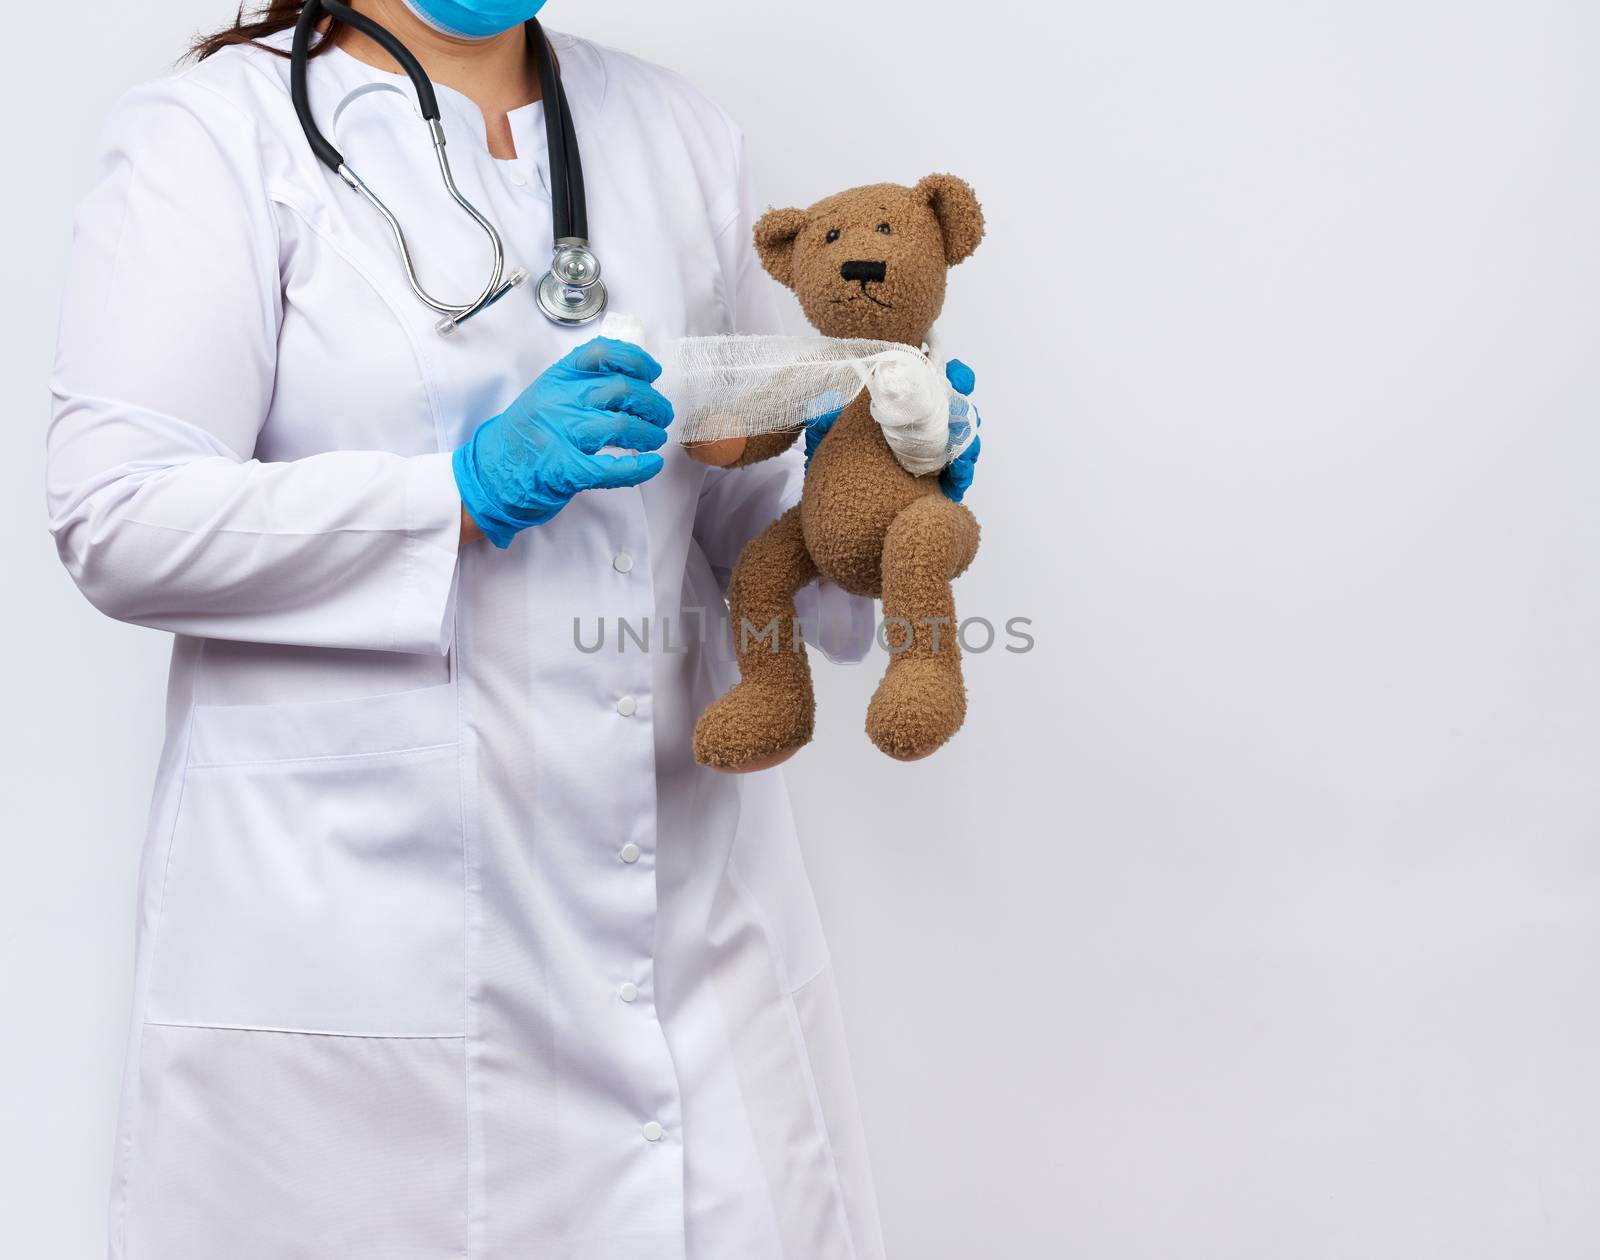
[
  {"x": 775, "y": 233},
  {"x": 960, "y": 216}
]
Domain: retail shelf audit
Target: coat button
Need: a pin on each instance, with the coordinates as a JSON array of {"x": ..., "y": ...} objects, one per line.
[
  {"x": 627, "y": 706},
  {"x": 630, "y": 853},
  {"x": 622, "y": 562},
  {"x": 652, "y": 1131},
  {"x": 628, "y": 992}
]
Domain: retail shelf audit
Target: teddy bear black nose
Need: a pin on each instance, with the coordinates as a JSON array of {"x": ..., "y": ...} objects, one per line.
[{"x": 863, "y": 271}]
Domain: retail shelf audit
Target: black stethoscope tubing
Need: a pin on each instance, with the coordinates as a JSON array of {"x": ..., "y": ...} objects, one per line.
[{"x": 569, "y": 212}]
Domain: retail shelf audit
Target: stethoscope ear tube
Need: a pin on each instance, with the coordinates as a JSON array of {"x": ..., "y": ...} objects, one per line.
[
  {"x": 427, "y": 102},
  {"x": 570, "y": 292},
  {"x": 300, "y": 53}
]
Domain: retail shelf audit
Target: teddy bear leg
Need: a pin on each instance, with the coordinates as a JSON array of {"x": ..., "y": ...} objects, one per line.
[
  {"x": 922, "y": 701},
  {"x": 769, "y": 715}
]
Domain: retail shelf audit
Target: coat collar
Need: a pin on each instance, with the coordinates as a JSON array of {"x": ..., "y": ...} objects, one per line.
[{"x": 338, "y": 77}]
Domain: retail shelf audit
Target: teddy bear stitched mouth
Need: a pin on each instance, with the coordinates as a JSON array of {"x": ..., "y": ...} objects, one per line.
[{"x": 888, "y": 306}]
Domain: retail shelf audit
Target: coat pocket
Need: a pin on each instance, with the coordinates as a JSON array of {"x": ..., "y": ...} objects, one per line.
[{"x": 315, "y": 877}]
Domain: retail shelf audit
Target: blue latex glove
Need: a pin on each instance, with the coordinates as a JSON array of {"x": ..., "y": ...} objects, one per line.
[
  {"x": 526, "y": 464},
  {"x": 956, "y": 479}
]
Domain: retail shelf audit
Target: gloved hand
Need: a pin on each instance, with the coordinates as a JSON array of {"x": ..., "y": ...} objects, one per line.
[
  {"x": 526, "y": 464},
  {"x": 956, "y": 479}
]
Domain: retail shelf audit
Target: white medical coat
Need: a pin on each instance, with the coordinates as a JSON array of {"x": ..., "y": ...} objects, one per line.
[{"x": 446, "y": 946}]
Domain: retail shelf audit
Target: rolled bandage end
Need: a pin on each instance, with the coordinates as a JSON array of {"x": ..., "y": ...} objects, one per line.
[{"x": 911, "y": 403}]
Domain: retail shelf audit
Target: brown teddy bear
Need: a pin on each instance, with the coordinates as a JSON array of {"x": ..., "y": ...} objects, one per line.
[{"x": 870, "y": 263}]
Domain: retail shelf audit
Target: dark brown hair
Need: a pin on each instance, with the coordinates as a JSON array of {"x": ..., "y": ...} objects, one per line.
[{"x": 266, "y": 17}]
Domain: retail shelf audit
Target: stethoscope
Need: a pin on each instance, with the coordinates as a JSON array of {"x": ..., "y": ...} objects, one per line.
[{"x": 570, "y": 292}]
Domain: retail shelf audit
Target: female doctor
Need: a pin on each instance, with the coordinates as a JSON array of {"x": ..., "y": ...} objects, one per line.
[{"x": 446, "y": 946}]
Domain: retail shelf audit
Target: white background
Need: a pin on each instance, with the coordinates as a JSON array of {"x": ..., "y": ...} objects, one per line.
[{"x": 1253, "y": 916}]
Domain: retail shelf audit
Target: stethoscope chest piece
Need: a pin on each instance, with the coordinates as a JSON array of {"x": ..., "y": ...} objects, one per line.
[{"x": 571, "y": 292}]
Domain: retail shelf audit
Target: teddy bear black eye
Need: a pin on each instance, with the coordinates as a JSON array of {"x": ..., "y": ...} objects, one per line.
[
  {"x": 833, "y": 235},
  {"x": 884, "y": 228}
]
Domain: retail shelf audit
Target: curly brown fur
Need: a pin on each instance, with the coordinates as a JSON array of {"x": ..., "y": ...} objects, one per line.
[
  {"x": 869, "y": 262},
  {"x": 770, "y": 713},
  {"x": 765, "y": 446}
]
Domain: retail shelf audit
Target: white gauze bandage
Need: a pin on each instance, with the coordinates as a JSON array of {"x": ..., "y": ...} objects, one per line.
[{"x": 725, "y": 387}]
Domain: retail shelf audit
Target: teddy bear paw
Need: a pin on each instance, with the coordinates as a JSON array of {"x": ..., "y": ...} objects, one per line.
[
  {"x": 754, "y": 727},
  {"x": 918, "y": 706}
]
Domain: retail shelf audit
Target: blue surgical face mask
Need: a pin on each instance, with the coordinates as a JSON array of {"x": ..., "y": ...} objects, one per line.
[{"x": 474, "y": 19}]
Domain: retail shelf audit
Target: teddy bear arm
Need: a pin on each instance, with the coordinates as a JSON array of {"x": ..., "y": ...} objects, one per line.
[{"x": 765, "y": 446}]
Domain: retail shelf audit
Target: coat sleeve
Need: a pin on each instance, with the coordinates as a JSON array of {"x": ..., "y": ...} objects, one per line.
[
  {"x": 736, "y": 504},
  {"x": 163, "y": 378}
]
